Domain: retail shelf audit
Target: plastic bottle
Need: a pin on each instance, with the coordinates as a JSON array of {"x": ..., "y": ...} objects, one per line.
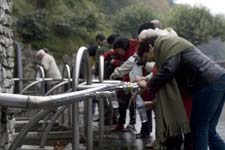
[
  {"x": 141, "y": 108},
  {"x": 114, "y": 99}
]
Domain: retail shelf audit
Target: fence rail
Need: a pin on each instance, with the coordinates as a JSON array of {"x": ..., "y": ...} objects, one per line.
[{"x": 81, "y": 90}]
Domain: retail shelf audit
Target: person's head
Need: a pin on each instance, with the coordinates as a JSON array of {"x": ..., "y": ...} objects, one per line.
[
  {"x": 92, "y": 50},
  {"x": 40, "y": 54},
  {"x": 146, "y": 49},
  {"x": 100, "y": 39},
  {"x": 147, "y": 40},
  {"x": 145, "y": 26},
  {"x": 121, "y": 45},
  {"x": 157, "y": 23},
  {"x": 46, "y": 50},
  {"x": 111, "y": 39}
]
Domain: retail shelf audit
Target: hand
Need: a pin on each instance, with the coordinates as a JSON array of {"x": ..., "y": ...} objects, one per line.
[
  {"x": 113, "y": 76},
  {"x": 143, "y": 83},
  {"x": 149, "y": 105},
  {"x": 112, "y": 61},
  {"x": 139, "y": 78}
]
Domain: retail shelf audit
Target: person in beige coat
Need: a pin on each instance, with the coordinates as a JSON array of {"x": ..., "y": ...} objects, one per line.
[{"x": 50, "y": 67}]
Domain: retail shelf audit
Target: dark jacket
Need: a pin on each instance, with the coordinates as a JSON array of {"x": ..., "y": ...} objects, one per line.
[{"x": 191, "y": 68}]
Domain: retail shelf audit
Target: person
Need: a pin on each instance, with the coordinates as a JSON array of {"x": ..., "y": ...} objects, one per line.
[
  {"x": 92, "y": 51},
  {"x": 181, "y": 64},
  {"x": 102, "y": 47},
  {"x": 111, "y": 105},
  {"x": 157, "y": 23},
  {"x": 109, "y": 55},
  {"x": 122, "y": 72},
  {"x": 111, "y": 38},
  {"x": 150, "y": 25},
  {"x": 50, "y": 67},
  {"x": 134, "y": 68},
  {"x": 175, "y": 141},
  {"x": 123, "y": 49}
]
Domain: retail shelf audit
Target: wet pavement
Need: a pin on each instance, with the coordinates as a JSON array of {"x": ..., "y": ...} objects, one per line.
[
  {"x": 127, "y": 140},
  {"x": 124, "y": 140}
]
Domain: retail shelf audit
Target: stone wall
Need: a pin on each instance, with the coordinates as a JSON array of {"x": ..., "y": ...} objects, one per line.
[
  {"x": 6, "y": 67},
  {"x": 6, "y": 47}
]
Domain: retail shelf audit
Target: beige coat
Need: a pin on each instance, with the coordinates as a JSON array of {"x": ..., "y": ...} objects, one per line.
[{"x": 50, "y": 67}]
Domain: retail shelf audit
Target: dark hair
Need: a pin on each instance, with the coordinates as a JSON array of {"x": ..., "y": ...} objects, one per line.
[
  {"x": 144, "y": 45},
  {"x": 146, "y": 25},
  {"x": 112, "y": 38},
  {"x": 92, "y": 50},
  {"x": 121, "y": 42},
  {"x": 100, "y": 37},
  {"x": 46, "y": 50}
]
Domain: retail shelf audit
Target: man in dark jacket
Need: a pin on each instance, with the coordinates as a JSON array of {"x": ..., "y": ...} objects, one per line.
[{"x": 181, "y": 64}]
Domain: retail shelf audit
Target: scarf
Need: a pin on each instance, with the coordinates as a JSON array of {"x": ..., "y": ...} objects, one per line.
[{"x": 171, "y": 119}]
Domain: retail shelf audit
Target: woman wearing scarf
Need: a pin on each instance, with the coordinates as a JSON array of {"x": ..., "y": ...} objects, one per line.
[{"x": 181, "y": 64}]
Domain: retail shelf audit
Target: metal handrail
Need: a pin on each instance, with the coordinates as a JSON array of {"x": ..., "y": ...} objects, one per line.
[
  {"x": 41, "y": 69},
  {"x": 101, "y": 69},
  {"x": 55, "y": 87},
  {"x": 32, "y": 79},
  {"x": 47, "y": 103},
  {"x": 81, "y": 54},
  {"x": 30, "y": 85},
  {"x": 49, "y": 92},
  {"x": 41, "y": 80},
  {"x": 34, "y": 120},
  {"x": 66, "y": 69},
  {"x": 19, "y": 64},
  {"x": 101, "y": 103},
  {"x": 44, "y": 136},
  {"x": 26, "y": 101}
]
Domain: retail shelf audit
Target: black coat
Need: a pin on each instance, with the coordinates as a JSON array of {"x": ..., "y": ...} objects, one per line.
[{"x": 191, "y": 68}]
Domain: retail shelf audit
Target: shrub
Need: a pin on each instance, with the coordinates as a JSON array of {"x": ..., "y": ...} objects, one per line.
[{"x": 33, "y": 26}]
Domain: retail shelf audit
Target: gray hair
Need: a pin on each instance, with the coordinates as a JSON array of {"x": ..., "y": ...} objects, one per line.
[{"x": 40, "y": 52}]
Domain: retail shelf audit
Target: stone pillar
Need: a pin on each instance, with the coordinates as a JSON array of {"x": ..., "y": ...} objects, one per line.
[{"x": 6, "y": 71}]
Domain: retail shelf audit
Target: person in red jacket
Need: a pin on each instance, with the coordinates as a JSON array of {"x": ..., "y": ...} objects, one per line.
[
  {"x": 109, "y": 55},
  {"x": 123, "y": 49}
]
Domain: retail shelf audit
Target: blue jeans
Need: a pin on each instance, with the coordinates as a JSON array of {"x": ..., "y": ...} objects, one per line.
[{"x": 206, "y": 109}]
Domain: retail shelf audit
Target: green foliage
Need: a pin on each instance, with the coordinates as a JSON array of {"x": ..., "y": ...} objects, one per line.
[
  {"x": 33, "y": 26},
  {"x": 69, "y": 23},
  {"x": 81, "y": 26},
  {"x": 219, "y": 26},
  {"x": 58, "y": 45},
  {"x": 21, "y": 7},
  {"x": 127, "y": 21},
  {"x": 63, "y": 29},
  {"x": 112, "y": 6},
  {"x": 196, "y": 24}
]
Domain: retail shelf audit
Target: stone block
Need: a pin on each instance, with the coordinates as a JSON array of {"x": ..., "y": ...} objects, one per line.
[
  {"x": 7, "y": 20},
  {"x": 10, "y": 51}
]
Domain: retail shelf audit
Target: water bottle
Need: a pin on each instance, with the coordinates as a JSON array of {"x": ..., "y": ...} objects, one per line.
[
  {"x": 115, "y": 103},
  {"x": 141, "y": 108}
]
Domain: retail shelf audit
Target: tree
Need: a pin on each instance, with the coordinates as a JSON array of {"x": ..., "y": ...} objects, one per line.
[
  {"x": 33, "y": 26},
  {"x": 196, "y": 24},
  {"x": 219, "y": 26},
  {"x": 127, "y": 21}
]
